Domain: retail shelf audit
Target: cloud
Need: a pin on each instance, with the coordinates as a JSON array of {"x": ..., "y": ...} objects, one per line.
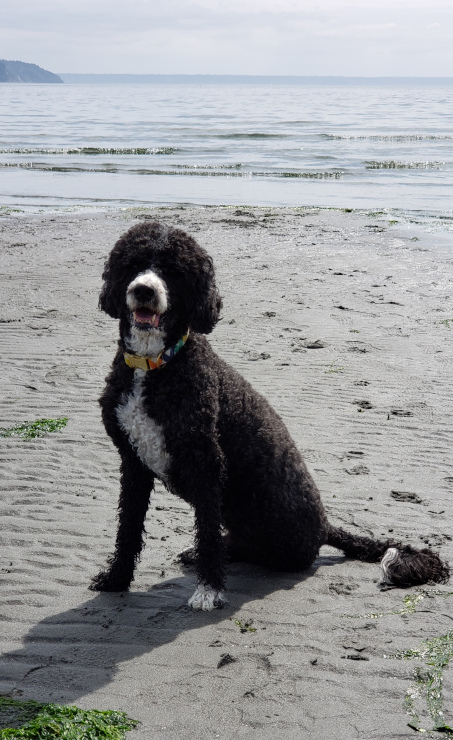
[
  {"x": 350, "y": 37},
  {"x": 120, "y": 15}
]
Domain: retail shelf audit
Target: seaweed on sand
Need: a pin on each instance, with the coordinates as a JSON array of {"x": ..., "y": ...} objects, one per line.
[
  {"x": 32, "y": 429},
  {"x": 428, "y": 681},
  {"x": 30, "y": 720}
]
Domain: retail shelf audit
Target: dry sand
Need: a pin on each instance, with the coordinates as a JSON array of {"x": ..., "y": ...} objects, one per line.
[{"x": 369, "y": 405}]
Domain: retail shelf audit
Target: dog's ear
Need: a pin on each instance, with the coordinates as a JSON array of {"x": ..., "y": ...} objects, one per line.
[
  {"x": 208, "y": 305},
  {"x": 106, "y": 297}
]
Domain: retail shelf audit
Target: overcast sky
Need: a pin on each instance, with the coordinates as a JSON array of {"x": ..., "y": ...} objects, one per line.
[{"x": 295, "y": 37}]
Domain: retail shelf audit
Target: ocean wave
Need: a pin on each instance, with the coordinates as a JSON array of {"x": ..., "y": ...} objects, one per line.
[
  {"x": 387, "y": 137},
  {"x": 210, "y": 171},
  {"x": 92, "y": 151},
  {"x": 395, "y": 165},
  {"x": 252, "y": 135},
  {"x": 337, "y": 175},
  {"x": 208, "y": 166}
]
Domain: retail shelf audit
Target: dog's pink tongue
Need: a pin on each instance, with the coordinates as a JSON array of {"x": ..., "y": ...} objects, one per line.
[{"x": 145, "y": 315}]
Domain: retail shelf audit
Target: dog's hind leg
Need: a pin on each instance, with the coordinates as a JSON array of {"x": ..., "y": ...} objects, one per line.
[
  {"x": 136, "y": 484},
  {"x": 233, "y": 554}
]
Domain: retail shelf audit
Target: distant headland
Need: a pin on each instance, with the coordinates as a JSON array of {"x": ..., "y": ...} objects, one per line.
[{"x": 24, "y": 72}]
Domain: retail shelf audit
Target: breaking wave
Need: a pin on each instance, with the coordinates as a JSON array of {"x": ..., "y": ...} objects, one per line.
[
  {"x": 184, "y": 170},
  {"x": 388, "y": 137},
  {"x": 92, "y": 151},
  {"x": 395, "y": 165}
]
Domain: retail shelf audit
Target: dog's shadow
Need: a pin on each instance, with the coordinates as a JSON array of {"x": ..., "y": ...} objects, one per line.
[{"x": 77, "y": 652}]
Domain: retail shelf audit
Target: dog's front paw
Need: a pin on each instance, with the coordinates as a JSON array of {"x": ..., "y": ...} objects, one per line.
[
  {"x": 109, "y": 580},
  {"x": 206, "y": 598}
]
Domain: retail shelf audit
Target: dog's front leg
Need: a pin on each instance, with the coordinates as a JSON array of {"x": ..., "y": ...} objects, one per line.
[
  {"x": 210, "y": 555},
  {"x": 197, "y": 474},
  {"x": 136, "y": 484}
]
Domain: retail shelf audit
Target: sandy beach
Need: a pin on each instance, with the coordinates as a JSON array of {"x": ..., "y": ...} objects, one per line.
[{"x": 345, "y": 324}]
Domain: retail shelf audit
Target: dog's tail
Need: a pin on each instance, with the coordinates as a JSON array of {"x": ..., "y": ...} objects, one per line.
[{"x": 402, "y": 565}]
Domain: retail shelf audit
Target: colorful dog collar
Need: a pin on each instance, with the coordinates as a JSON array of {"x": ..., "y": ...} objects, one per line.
[{"x": 154, "y": 363}]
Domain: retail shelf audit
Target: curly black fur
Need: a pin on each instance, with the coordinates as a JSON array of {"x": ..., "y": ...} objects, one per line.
[{"x": 232, "y": 457}]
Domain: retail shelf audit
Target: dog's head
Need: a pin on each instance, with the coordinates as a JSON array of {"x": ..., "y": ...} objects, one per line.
[{"x": 159, "y": 282}]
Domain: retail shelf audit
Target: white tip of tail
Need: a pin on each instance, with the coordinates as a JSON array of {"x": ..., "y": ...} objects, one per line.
[{"x": 391, "y": 556}]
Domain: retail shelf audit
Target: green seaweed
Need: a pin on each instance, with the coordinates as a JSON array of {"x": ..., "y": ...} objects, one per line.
[
  {"x": 245, "y": 626},
  {"x": 7, "y": 210},
  {"x": 334, "y": 368},
  {"x": 410, "y": 602},
  {"x": 428, "y": 682},
  {"x": 446, "y": 322},
  {"x": 32, "y": 429},
  {"x": 31, "y": 720}
]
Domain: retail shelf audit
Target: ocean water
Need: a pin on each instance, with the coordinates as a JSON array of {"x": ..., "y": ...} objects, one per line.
[{"x": 343, "y": 146}]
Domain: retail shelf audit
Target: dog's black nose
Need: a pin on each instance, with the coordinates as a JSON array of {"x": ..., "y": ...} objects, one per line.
[{"x": 144, "y": 293}]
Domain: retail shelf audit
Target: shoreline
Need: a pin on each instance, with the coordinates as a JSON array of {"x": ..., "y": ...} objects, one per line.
[
  {"x": 438, "y": 223},
  {"x": 441, "y": 218},
  {"x": 370, "y": 410}
]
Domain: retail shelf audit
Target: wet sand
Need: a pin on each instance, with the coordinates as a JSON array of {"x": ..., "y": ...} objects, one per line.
[{"x": 345, "y": 325}]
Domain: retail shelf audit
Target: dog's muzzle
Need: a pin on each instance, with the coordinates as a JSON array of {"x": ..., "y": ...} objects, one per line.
[{"x": 146, "y": 297}]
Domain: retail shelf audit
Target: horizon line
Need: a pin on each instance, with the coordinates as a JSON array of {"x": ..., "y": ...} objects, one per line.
[
  {"x": 131, "y": 78},
  {"x": 220, "y": 74}
]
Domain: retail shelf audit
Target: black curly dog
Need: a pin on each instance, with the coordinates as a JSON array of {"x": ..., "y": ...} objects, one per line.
[{"x": 177, "y": 412}]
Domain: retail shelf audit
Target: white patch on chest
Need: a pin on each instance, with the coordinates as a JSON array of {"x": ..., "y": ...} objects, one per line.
[{"x": 145, "y": 435}]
